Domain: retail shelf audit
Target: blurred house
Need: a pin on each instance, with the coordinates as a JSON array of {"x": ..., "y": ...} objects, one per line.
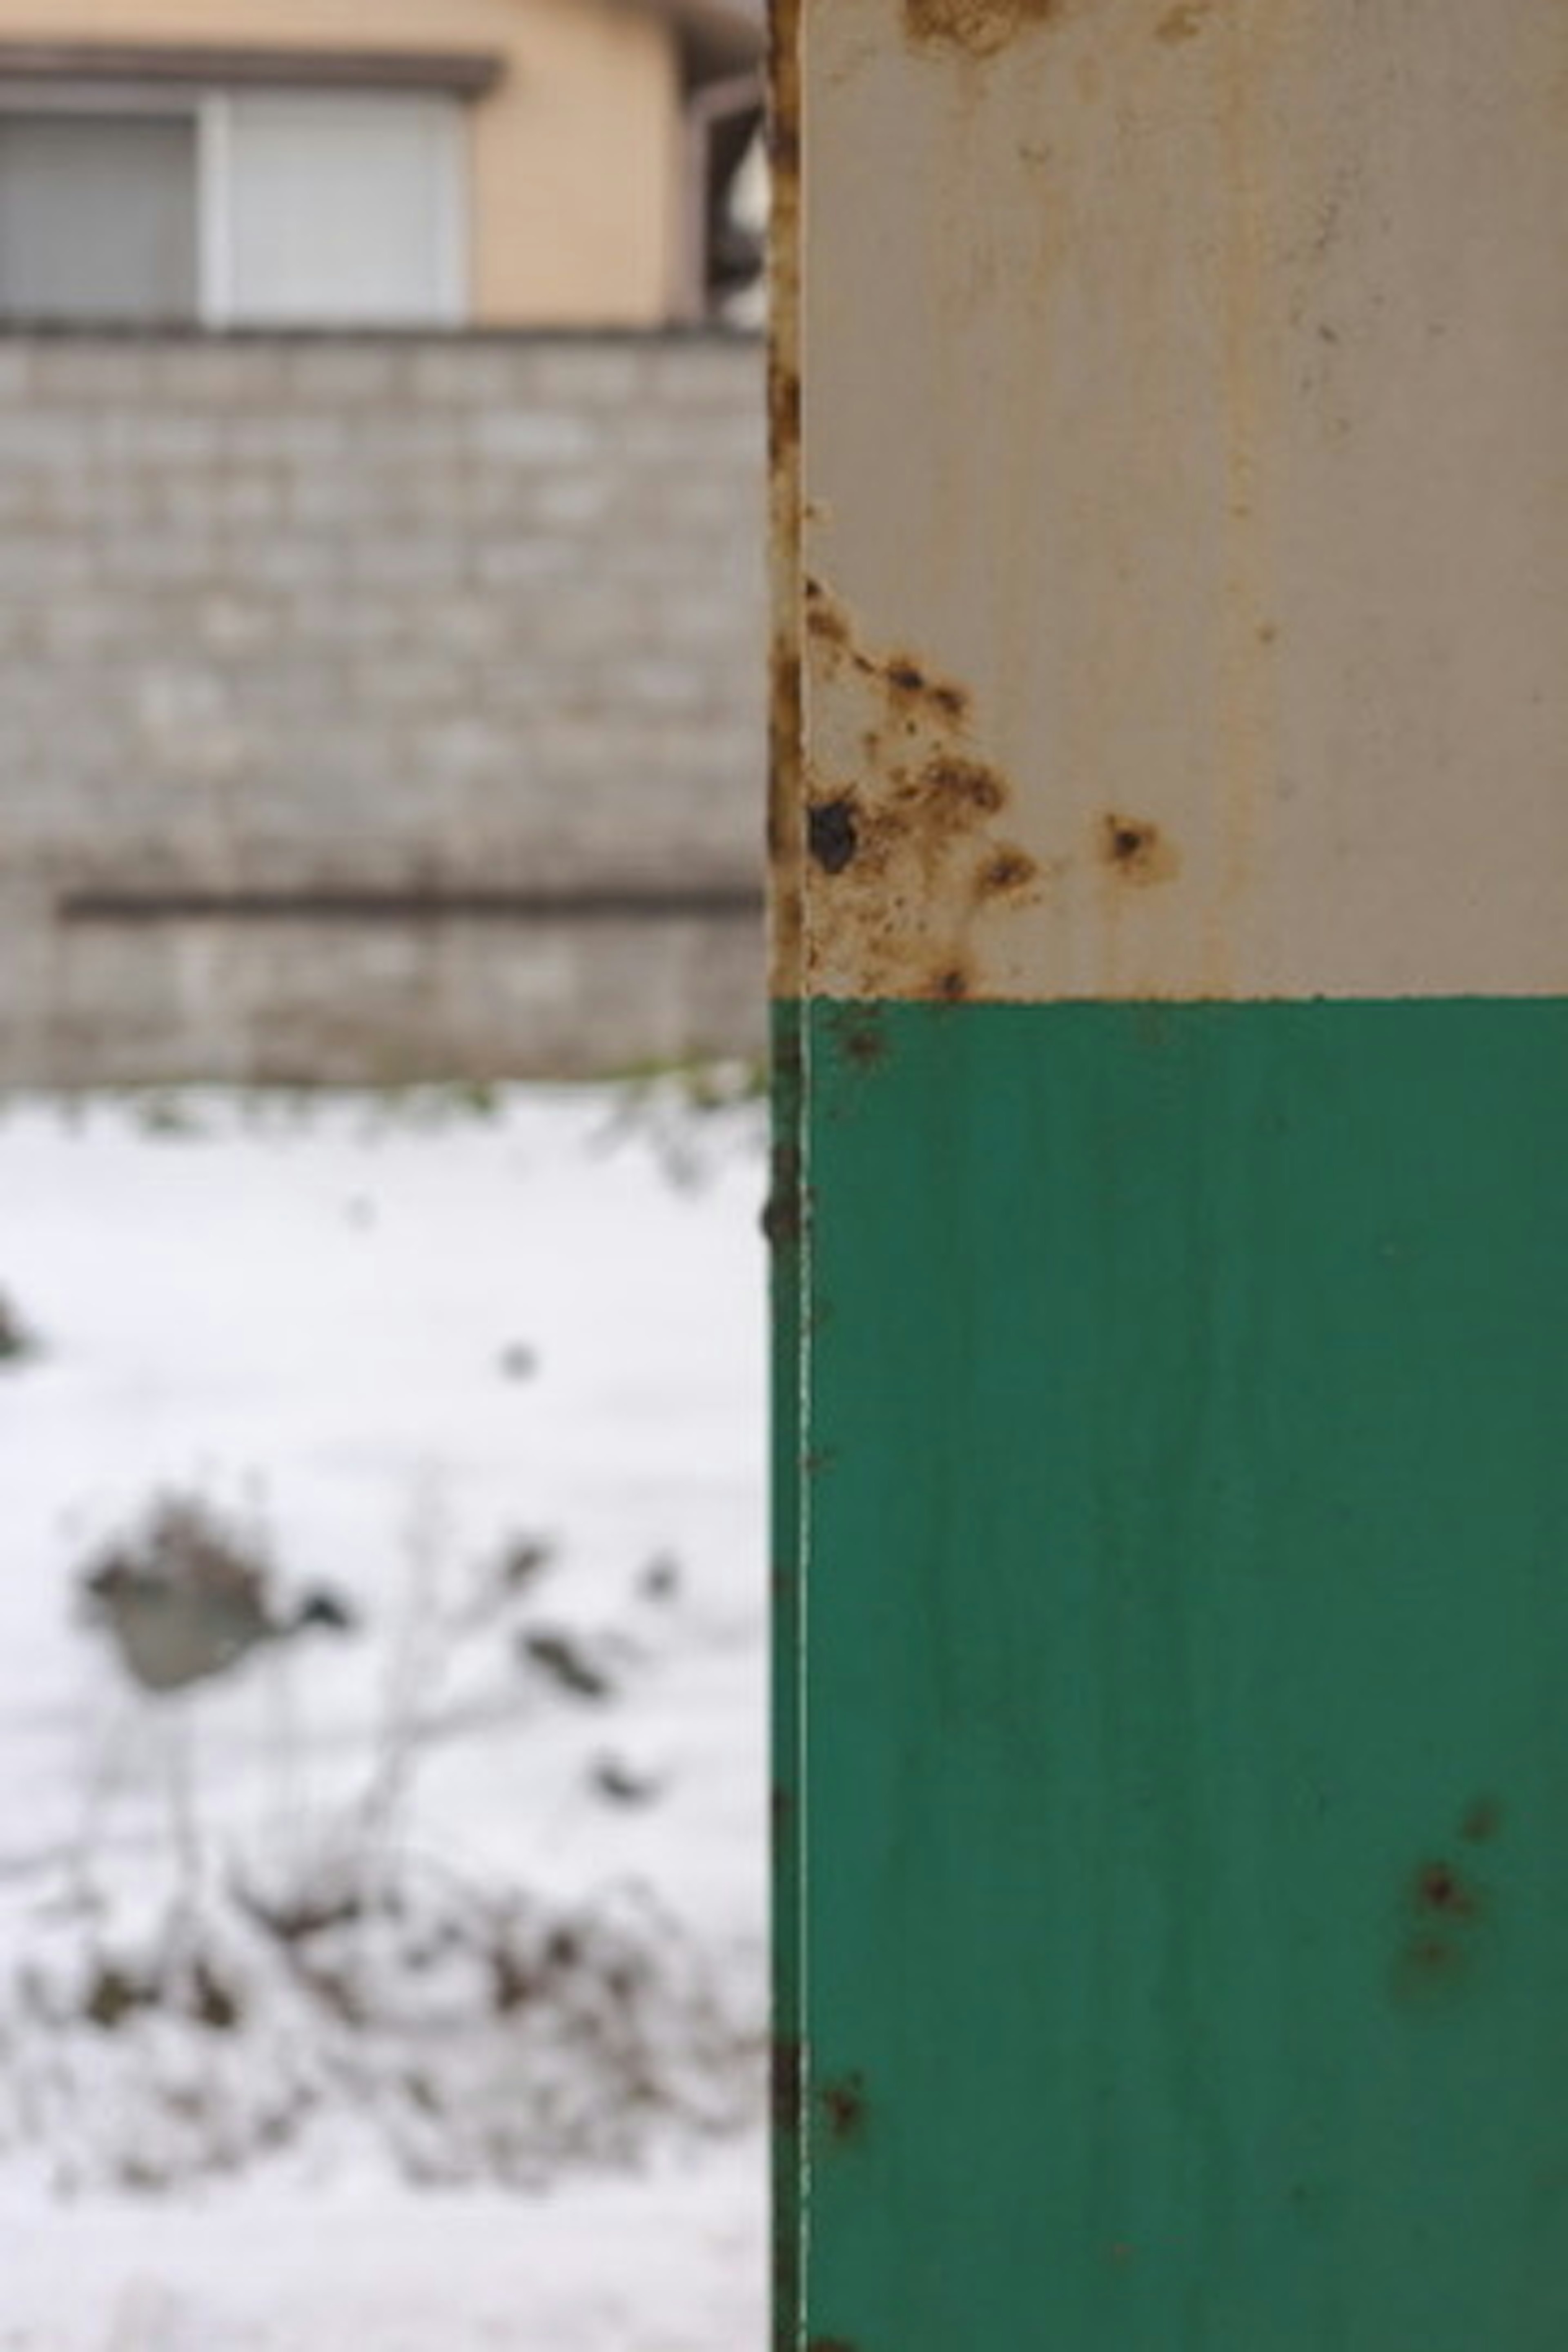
[
  {"x": 381, "y": 497},
  {"x": 417, "y": 162}
]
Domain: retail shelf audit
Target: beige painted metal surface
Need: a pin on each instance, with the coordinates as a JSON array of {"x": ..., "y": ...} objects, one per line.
[{"x": 1188, "y": 599}]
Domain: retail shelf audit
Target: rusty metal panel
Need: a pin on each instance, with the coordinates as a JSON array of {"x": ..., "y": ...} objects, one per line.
[
  {"x": 1184, "y": 409},
  {"x": 1171, "y": 841}
]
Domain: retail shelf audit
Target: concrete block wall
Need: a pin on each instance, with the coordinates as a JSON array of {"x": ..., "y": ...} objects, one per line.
[{"x": 378, "y": 708}]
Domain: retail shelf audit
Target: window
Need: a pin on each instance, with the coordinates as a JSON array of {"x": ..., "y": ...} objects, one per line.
[
  {"x": 97, "y": 216},
  {"x": 336, "y": 208},
  {"x": 245, "y": 206}
]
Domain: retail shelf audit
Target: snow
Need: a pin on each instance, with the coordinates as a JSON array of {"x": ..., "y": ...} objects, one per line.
[{"x": 401, "y": 1987}]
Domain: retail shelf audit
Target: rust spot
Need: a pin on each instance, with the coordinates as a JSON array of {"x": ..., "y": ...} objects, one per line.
[
  {"x": 902, "y": 819},
  {"x": 1445, "y": 1911},
  {"x": 1009, "y": 869},
  {"x": 787, "y": 2076},
  {"x": 832, "y": 833},
  {"x": 964, "y": 783},
  {"x": 910, "y": 683},
  {"x": 1184, "y": 22},
  {"x": 844, "y": 2107},
  {"x": 1481, "y": 1821},
  {"x": 980, "y": 27},
  {"x": 824, "y": 619},
  {"x": 1136, "y": 850},
  {"x": 860, "y": 1034},
  {"x": 1440, "y": 1889}
]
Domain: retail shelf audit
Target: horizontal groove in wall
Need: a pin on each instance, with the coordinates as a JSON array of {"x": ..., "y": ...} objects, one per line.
[
  {"x": 469, "y": 72},
  {"x": 678, "y": 332},
  {"x": 598, "y": 902}
]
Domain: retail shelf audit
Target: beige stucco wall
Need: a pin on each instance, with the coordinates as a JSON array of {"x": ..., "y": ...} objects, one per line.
[{"x": 575, "y": 156}]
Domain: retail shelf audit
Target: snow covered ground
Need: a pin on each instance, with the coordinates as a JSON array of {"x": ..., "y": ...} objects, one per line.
[{"x": 399, "y": 1987}]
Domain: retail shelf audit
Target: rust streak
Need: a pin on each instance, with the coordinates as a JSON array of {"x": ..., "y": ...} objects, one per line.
[
  {"x": 785, "y": 1214},
  {"x": 788, "y": 2075}
]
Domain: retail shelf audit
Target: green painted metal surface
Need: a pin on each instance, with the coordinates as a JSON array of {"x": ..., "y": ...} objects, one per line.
[{"x": 1174, "y": 1498}]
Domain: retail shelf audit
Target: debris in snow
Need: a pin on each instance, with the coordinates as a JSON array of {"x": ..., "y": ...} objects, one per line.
[
  {"x": 567, "y": 1663},
  {"x": 622, "y": 1785},
  {"x": 185, "y": 1596},
  {"x": 661, "y": 1580},
  {"x": 16, "y": 1340},
  {"x": 469, "y": 2034}
]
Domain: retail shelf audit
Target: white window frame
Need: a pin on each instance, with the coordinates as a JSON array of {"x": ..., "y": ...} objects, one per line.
[
  {"x": 215, "y": 209},
  {"x": 211, "y": 113}
]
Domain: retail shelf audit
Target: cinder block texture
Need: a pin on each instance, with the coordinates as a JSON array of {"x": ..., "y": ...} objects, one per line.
[{"x": 412, "y": 616}]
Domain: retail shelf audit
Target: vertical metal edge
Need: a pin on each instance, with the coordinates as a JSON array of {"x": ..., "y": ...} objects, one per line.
[
  {"x": 785, "y": 810},
  {"x": 787, "y": 1208}
]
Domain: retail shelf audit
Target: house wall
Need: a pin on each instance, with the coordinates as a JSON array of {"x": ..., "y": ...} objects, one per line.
[
  {"x": 575, "y": 156},
  {"x": 304, "y": 640}
]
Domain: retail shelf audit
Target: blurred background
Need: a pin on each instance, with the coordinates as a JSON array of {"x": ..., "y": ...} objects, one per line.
[{"x": 381, "y": 1607}]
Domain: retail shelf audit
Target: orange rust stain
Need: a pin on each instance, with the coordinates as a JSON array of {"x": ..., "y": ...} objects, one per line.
[
  {"x": 1184, "y": 22},
  {"x": 979, "y": 27},
  {"x": 823, "y": 618},
  {"x": 1006, "y": 870},
  {"x": 961, "y": 784},
  {"x": 1135, "y": 851},
  {"x": 901, "y": 823}
]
